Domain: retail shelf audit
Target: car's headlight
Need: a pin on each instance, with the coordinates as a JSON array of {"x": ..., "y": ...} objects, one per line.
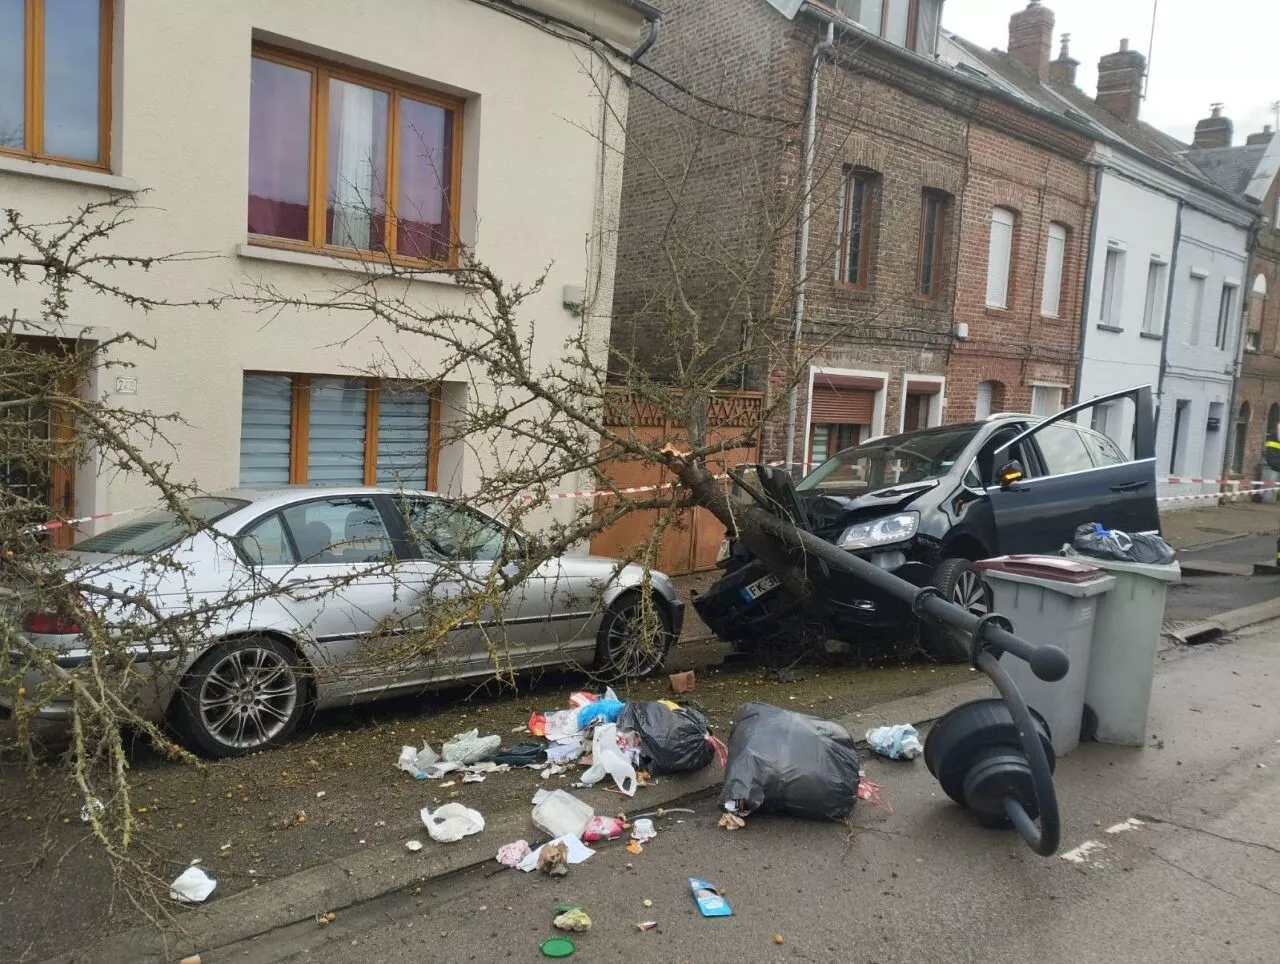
[
  {"x": 881, "y": 532},
  {"x": 722, "y": 554}
]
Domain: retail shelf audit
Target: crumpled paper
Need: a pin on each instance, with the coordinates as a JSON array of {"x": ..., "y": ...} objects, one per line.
[
  {"x": 900, "y": 742},
  {"x": 193, "y": 886}
]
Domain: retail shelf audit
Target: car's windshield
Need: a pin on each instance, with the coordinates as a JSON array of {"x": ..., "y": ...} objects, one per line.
[
  {"x": 887, "y": 462},
  {"x": 157, "y": 530}
]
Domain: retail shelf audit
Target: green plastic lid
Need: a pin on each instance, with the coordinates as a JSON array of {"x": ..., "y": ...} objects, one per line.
[{"x": 557, "y": 947}]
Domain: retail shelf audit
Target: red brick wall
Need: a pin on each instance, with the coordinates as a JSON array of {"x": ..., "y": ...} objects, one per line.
[
  {"x": 1260, "y": 374},
  {"x": 1017, "y": 346}
]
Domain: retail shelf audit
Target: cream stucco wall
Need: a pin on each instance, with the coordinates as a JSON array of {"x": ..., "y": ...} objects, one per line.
[{"x": 538, "y": 188}]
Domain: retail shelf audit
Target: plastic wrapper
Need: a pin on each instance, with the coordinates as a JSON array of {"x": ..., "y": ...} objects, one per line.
[
  {"x": 1091, "y": 539},
  {"x": 671, "y": 740},
  {"x": 786, "y": 762},
  {"x": 471, "y": 747},
  {"x": 451, "y": 822},
  {"x": 900, "y": 742},
  {"x": 561, "y": 814}
]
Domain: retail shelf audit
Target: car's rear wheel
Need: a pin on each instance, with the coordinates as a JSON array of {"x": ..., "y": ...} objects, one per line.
[
  {"x": 634, "y": 638},
  {"x": 961, "y": 584},
  {"x": 242, "y": 695}
]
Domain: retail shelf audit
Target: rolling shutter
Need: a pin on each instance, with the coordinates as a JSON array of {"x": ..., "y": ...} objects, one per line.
[{"x": 840, "y": 400}]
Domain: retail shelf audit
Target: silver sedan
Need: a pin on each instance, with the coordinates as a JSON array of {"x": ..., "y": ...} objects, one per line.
[{"x": 306, "y": 597}]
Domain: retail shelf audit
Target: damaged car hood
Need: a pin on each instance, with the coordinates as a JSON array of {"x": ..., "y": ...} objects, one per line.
[{"x": 831, "y": 509}]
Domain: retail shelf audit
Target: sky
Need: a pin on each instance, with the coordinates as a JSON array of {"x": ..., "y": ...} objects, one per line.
[{"x": 1204, "y": 52}]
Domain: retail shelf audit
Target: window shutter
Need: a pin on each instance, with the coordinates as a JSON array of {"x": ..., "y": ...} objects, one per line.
[
  {"x": 1051, "y": 296},
  {"x": 982, "y": 405},
  {"x": 998, "y": 253},
  {"x": 265, "y": 422},
  {"x": 336, "y": 441},
  {"x": 404, "y": 419},
  {"x": 842, "y": 406}
]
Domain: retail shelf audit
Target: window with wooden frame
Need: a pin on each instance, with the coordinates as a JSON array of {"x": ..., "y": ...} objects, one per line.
[
  {"x": 933, "y": 219},
  {"x": 857, "y": 219},
  {"x": 340, "y": 159},
  {"x": 55, "y": 80},
  {"x": 334, "y": 430}
]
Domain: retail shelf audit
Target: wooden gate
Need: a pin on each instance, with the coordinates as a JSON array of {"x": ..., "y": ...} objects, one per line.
[{"x": 691, "y": 542}]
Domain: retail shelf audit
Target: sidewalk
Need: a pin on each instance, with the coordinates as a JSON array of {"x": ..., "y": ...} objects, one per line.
[{"x": 1204, "y": 525}]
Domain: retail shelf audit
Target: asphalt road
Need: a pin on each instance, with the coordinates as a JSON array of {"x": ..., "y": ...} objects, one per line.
[
  {"x": 1198, "y": 597},
  {"x": 1197, "y": 880}
]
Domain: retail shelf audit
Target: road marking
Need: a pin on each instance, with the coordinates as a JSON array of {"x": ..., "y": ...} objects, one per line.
[
  {"x": 1080, "y": 854},
  {"x": 1133, "y": 823}
]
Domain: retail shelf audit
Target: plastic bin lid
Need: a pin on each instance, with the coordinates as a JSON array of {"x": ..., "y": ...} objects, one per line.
[{"x": 1052, "y": 568}]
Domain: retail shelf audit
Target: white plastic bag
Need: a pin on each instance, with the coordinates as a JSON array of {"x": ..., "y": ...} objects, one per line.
[
  {"x": 416, "y": 762},
  {"x": 193, "y": 886},
  {"x": 562, "y": 725},
  {"x": 451, "y": 822},
  {"x": 607, "y": 758},
  {"x": 471, "y": 747},
  {"x": 561, "y": 814},
  {"x": 900, "y": 742}
]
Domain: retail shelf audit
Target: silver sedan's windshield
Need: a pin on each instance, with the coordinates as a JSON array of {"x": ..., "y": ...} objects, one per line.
[{"x": 887, "y": 462}]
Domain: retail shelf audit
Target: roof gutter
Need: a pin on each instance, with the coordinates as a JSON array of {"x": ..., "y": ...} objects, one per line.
[
  {"x": 653, "y": 16},
  {"x": 820, "y": 50}
]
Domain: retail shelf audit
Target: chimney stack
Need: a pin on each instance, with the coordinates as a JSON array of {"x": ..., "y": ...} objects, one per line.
[
  {"x": 1262, "y": 137},
  {"x": 1215, "y": 130},
  {"x": 1063, "y": 70},
  {"x": 1030, "y": 37},
  {"x": 1120, "y": 82}
]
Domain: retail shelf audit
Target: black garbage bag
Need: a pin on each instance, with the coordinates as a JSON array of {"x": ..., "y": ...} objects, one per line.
[
  {"x": 1092, "y": 539},
  {"x": 523, "y": 754},
  {"x": 671, "y": 741},
  {"x": 785, "y": 762}
]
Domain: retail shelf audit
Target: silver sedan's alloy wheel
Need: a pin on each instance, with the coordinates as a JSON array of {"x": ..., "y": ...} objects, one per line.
[
  {"x": 970, "y": 594},
  {"x": 248, "y": 697},
  {"x": 631, "y": 655}
]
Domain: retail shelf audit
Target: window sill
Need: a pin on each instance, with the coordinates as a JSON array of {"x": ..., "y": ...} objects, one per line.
[
  {"x": 1153, "y": 335},
  {"x": 1113, "y": 328},
  {"x": 330, "y": 262},
  {"x": 1052, "y": 319},
  {"x": 70, "y": 175}
]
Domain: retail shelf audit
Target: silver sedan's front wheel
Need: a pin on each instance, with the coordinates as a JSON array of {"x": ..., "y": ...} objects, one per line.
[
  {"x": 634, "y": 638},
  {"x": 241, "y": 696}
]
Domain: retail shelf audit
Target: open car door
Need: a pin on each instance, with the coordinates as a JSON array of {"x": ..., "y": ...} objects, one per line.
[{"x": 1093, "y": 462}]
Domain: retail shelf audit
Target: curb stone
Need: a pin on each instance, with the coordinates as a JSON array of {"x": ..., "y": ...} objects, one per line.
[{"x": 344, "y": 881}]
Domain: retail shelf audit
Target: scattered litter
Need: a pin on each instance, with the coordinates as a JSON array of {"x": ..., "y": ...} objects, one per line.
[
  {"x": 225, "y": 846},
  {"x": 93, "y": 803},
  {"x": 575, "y": 920},
  {"x": 646, "y": 925},
  {"x": 473, "y": 778},
  {"x": 438, "y": 770},
  {"x": 873, "y": 793},
  {"x": 607, "y": 758},
  {"x": 643, "y": 830},
  {"x": 647, "y": 902},
  {"x": 681, "y": 682},
  {"x": 900, "y": 742},
  {"x": 522, "y": 754},
  {"x": 673, "y": 739},
  {"x": 488, "y": 766},
  {"x": 451, "y": 822},
  {"x": 553, "y": 771},
  {"x": 603, "y": 828},
  {"x": 413, "y": 846},
  {"x": 319, "y": 794},
  {"x": 471, "y": 747},
  {"x": 576, "y": 853},
  {"x": 1080, "y": 854},
  {"x": 557, "y": 947},
  {"x": 324, "y": 920},
  {"x": 581, "y": 698},
  {"x": 553, "y": 860},
  {"x": 193, "y": 886},
  {"x": 561, "y": 725},
  {"x": 731, "y": 821},
  {"x": 777, "y": 938},
  {"x": 789, "y": 762},
  {"x": 600, "y": 711},
  {"x": 710, "y": 903},
  {"x": 634, "y": 848},
  {"x": 560, "y": 813},
  {"x": 416, "y": 762},
  {"x": 565, "y": 752},
  {"x": 510, "y": 855},
  {"x": 451, "y": 783},
  {"x": 537, "y": 724}
]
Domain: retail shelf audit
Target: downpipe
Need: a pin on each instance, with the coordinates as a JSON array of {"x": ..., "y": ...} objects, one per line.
[{"x": 826, "y": 45}]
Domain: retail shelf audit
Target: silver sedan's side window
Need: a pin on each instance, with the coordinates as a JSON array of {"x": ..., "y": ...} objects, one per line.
[
  {"x": 336, "y": 531},
  {"x": 266, "y": 544},
  {"x": 445, "y": 530}
]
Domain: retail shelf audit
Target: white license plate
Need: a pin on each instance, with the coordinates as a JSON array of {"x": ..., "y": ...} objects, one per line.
[{"x": 758, "y": 588}]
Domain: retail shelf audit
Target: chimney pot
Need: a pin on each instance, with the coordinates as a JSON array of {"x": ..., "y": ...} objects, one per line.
[
  {"x": 1063, "y": 70},
  {"x": 1215, "y": 130},
  {"x": 1031, "y": 38},
  {"x": 1120, "y": 77}
]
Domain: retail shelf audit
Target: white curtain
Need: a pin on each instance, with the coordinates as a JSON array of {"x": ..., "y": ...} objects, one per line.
[{"x": 353, "y": 202}]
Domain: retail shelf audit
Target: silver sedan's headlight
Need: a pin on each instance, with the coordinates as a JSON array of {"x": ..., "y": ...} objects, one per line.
[{"x": 881, "y": 532}]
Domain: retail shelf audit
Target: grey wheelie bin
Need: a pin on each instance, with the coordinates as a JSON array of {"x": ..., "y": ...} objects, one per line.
[
  {"x": 1050, "y": 599},
  {"x": 1126, "y": 635}
]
